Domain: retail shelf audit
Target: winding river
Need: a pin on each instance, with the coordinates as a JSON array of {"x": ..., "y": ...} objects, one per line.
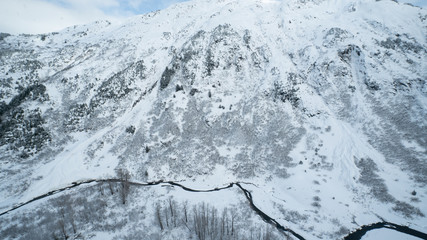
[{"x": 355, "y": 235}]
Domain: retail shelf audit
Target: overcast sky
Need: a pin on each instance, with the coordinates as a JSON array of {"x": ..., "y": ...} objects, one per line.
[{"x": 42, "y": 16}]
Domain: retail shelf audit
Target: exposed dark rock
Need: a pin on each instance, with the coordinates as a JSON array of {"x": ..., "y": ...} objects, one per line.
[
  {"x": 287, "y": 93},
  {"x": 166, "y": 77},
  {"x": 193, "y": 91},
  {"x": 347, "y": 53}
]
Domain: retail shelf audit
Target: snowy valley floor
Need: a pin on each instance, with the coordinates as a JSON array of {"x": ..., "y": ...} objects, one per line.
[{"x": 110, "y": 211}]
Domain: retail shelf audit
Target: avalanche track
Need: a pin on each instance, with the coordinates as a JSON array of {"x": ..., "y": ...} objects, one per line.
[{"x": 355, "y": 235}]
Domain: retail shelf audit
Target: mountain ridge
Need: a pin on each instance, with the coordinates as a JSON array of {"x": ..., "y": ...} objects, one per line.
[{"x": 325, "y": 97}]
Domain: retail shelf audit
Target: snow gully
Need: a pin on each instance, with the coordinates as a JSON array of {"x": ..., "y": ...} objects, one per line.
[{"x": 355, "y": 235}]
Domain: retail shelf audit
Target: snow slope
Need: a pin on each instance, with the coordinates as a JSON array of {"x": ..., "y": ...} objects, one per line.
[{"x": 322, "y": 105}]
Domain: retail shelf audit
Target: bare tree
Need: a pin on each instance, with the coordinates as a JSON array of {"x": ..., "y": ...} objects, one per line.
[
  {"x": 159, "y": 218},
  {"x": 166, "y": 217},
  {"x": 124, "y": 177},
  {"x": 223, "y": 221},
  {"x": 101, "y": 190},
  {"x": 233, "y": 214},
  {"x": 267, "y": 235},
  {"x": 172, "y": 211},
  {"x": 110, "y": 186},
  {"x": 207, "y": 223},
  {"x": 61, "y": 223},
  {"x": 214, "y": 229},
  {"x": 185, "y": 206}
]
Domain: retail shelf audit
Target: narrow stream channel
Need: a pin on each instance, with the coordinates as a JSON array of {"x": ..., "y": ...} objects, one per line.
[
  {"x": 355, "y": 235},
  {"x": 360, "y": 232}
]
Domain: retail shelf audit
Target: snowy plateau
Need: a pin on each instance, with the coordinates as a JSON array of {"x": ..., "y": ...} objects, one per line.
[{"x": 298, "y": 119}]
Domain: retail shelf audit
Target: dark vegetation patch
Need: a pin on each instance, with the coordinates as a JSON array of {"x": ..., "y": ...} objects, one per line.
[
  {"x": 130, "y": 129},
  {"x": 288, "y": 92},
  {"x": 369, "y": 177},
  {"x": 119, "y": 85},
  {"x": 407, "y": 210},
  {"x": 74, "y": 117},
  {"x": 22, "y": 129},
  {"x": 401, "y": 45},
  {"x": 31, "y": 93},
  {"x": 3, "y": 36}
]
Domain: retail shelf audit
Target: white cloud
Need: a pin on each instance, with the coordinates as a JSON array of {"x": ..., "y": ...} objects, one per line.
[
  {"x": 42, "y": 16},
  {"x": 38, "y": 16},
  {"x": 135, "y": 4}
]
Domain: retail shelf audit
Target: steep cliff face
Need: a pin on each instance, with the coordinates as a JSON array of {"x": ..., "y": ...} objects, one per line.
[{"x": 321, "y": 104}]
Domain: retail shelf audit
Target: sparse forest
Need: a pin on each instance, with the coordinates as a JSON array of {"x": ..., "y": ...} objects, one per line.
[
  {"x": 208, "y": 223},
  {"x": 109, "y": 207}
]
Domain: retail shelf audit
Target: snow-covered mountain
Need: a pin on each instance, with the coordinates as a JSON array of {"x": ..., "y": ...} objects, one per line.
[{"x": 319, "y": 106}]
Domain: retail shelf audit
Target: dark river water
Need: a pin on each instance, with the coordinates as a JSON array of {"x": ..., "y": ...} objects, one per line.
[{"x": 355, "y": 235}]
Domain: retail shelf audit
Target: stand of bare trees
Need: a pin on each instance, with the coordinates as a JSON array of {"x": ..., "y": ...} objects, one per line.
[
  {"x": 66, "y": 222},
  {"x": 207, "y": 223}
]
